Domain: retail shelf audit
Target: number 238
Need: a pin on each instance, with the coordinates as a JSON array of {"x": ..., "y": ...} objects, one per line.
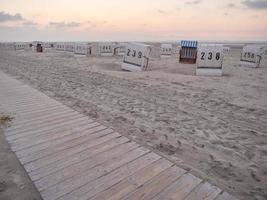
[
  {"x": 133, "y": 53},
  {"x": 210, "y": 56}
]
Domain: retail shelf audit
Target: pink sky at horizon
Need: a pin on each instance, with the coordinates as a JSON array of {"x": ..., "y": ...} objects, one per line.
[{"x": 125, "y": 20}]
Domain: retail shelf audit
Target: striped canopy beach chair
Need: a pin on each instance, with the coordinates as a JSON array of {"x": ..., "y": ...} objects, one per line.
[{"x": 188, "y": 52}]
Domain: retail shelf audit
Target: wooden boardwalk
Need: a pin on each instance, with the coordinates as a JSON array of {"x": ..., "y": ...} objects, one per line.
[{"x": 70, "y": 156}]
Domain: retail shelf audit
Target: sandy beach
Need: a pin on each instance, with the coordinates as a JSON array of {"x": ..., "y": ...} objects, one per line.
[{"x": 216, "y": 127}]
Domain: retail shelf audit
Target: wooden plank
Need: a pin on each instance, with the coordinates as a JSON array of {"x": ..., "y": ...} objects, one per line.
[
  {"x": 76, "y": 132},
  {"x": 156, "y": 185},
  {"x": 14, "y": 93},
  {"x": 21, "y": 91},
  {"x": 40, "y": 116},
  {"x": 65, "y": 162},
  {"x": 30, "y": 115},
  {"x": 29, "y": 103},
  {"x": 60, "y": 126},
  {"x": 180, "y": 188},
  {"x": 14, "y": 83},
  {"x": 46, "y": 123},
  {"x": 106, "y": 182},
  {"x": 77, "y": 186},
  {"x": 205, "y": 192},
  {"x": 225, "y": 196},
  {"x": 67, "y": 145},
  {"x": 27, "y": 93},
  {"x": 28, "y": 128},
  {"x": 20, "y": 120},
  {"x": 32, "y": 107},
  {"x": 134, "y": 181},
  {"x": 52, "y": 116},
  {"x": 31, "y": 96},
  {"x": 67, "y": 153},
  {"x": 10, "y": 88},
  {"x": 20, "y": 139},
  {"x": 53, "y": 133},
  {"x": 35, "y": 110},
  {"x": 85, "y": 165},
  {"x": 9, "y": 85}
]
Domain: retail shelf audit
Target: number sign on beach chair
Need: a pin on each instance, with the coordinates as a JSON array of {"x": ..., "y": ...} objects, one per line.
[
  {"x": 81, "y": 49},
  {"x": 253, "y": 55},
  {"x": 188, "y": 52},
  {"x": 210, "y": 60},
  {"x": 106, "y": 49},
  {"x": 19, "y": 46},
  {"x": 136, "y": 57},
  {"x": 69, "y": 46},
  {"x": 8, "y": 46},
  {"x": 226, "y": 51},
  {"x": 47, "y": 46},
  {"x": 166, "y": 50},
  {"x": 60, "y": 46}
]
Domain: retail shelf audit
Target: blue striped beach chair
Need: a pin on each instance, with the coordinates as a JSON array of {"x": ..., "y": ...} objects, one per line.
[{"x": 188, "y": 52}]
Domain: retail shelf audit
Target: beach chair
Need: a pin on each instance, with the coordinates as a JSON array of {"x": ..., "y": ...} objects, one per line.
[
  {"x": 136, "y": 57},
  {"x": 188, "y": 52},
  {"x": 210, "y": 60}
]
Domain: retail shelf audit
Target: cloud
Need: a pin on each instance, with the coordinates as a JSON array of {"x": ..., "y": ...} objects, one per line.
[
  {"x": 64, "y": 24},
  {"x": 256, "y": 4},
  {"x": 143, "y": 24},
  {"x": 194, "y": 2},
  {"x": 161, "y": 11},
  {"x": 231, "y": 5},
  {"x": 73, "y": 24},
  {"x": 30, "y": 23},
  {"x": 4, "y": 17},
  {"x": 103, "y": 22},
  {"x": 96, "y": 24}
]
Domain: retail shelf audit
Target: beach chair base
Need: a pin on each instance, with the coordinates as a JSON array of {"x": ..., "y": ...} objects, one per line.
[{"x": 209, "y": 72}]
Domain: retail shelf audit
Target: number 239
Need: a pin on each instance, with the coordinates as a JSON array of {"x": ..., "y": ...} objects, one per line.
[{"x": 133, "y": 54}]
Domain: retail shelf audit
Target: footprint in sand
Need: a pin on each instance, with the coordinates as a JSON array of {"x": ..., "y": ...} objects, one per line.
[
  {"x": 2, "y": 186},
  {"x": 253, "y": 174}
]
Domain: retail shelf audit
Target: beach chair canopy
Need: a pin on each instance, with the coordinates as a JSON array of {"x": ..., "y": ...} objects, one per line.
[
  {"x": 257, "y": 49},
  {"x": 190, "y": 44}
]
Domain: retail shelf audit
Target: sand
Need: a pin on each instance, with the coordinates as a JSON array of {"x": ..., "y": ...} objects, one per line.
[
  {"x": 14, "y": 181},
  {"x": 216, "y": 127}
]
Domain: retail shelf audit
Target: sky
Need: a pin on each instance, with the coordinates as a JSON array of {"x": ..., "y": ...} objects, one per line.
[{"x": 133, "y": 20}]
